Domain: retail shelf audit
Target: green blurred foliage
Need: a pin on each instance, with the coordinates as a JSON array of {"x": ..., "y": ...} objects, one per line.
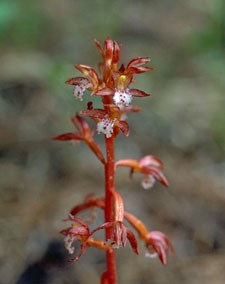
[
  {"x": 208, "y": 48},
  {"x": 22, "y": 24}
]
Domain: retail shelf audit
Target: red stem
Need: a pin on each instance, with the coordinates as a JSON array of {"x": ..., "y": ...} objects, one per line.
[{"x": 109, "y": 187}]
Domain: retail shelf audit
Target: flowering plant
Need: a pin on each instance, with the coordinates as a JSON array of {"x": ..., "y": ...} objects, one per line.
[{"x": 112, "y": 85}]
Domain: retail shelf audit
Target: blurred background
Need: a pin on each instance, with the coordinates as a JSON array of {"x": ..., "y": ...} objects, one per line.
[{"x": 183, "y": 123}]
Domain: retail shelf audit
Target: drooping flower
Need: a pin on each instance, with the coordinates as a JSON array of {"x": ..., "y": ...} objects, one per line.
[
  {"x": 157, "y": 243},
  {"x": 150, "y": 166},
  {"x": 79, "y": 231}
]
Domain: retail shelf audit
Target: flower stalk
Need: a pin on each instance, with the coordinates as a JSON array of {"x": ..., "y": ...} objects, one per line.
[
  {"x": 112, "y": 85},
  {"x": 109, "y": 187}
]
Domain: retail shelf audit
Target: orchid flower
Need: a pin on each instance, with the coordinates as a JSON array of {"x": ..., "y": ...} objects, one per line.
[{"x": 150, "y": 166}]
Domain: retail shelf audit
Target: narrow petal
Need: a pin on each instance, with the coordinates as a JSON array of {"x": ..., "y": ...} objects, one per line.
[
  {"x": 80, "y": 123},
  {"x": 68, "y": 137},
  {"x": 89, "y": 203},
  {"x": 103, "y": 226},
  {"x": 84, "y": 68},
  {"x": 133, "y": 241},
  {"x": 66, "y": 231},
  {"x": 97, "y": 43},
  {"x": 151, "y": 161},
  {"x": 79, "y": 231},
  {"x": 135, "y": 66},
  {"x": 124, "y": 127},
  {"x": 158, "y": 175},
  {"x": 131, "y": 109},
  {"x": 108, "y": 44},
  {"x": 79, "y": 81},
  {"x": 94, "y": 76},
  {"x": 138, "y": 93},
  {"x": 123, "y": 234},
  {"x": 139, "y": 70},
  {"x": 118, "y": 207},
  {"x": 104, "y": 92},
  {"x": 89, "y": 71},
  {"x": 161, "y": 244},
  {"x": 94, "y": 113},
  {"x": 77, "y": 220},
  {"x": 138, "y": 61},
  {"x": 116, "y": 52}
]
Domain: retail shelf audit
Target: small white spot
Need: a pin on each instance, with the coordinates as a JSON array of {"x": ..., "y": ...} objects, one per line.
[
  {"x": 151, "y": 255},
  {"x": 148, "y": 181}
]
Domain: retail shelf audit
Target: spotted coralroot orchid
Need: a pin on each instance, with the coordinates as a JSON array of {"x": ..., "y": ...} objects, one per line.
[{"x": 112, "y": 85}]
